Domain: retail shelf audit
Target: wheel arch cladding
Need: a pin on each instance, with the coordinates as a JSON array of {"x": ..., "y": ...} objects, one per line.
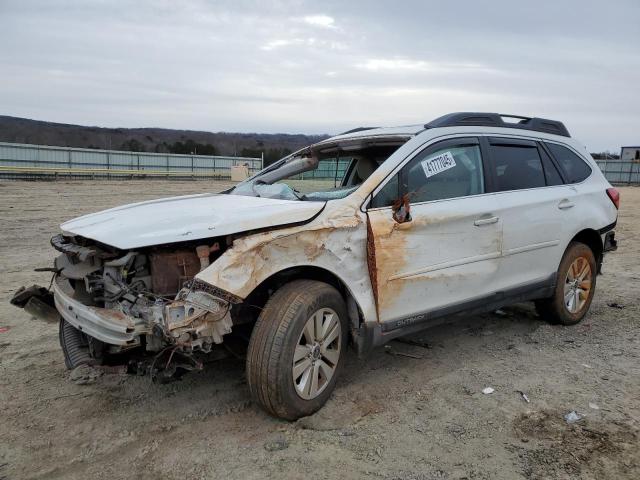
[
  {"x": 257, "y": 299},
  {"x": 593, "y": 240}
]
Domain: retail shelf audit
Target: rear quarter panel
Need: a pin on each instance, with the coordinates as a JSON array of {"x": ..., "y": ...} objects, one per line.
[{"x": 593, "y": 208}]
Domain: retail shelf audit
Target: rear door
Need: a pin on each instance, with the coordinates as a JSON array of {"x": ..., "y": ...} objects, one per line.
[
  {"x": 535, "y": 208},
  {"x": 440, "y": 246}
]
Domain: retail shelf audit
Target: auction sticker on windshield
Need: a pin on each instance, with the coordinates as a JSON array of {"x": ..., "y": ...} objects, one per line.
[{"x": 434, "y": 165}]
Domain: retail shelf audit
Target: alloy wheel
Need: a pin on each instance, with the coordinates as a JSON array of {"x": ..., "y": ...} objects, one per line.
[
  {"x": 577, "y": 285},
  {"x": 317, "y": 353}
]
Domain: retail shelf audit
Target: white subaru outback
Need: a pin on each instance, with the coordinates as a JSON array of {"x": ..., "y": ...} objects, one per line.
[{"x": 468, "y": 213}]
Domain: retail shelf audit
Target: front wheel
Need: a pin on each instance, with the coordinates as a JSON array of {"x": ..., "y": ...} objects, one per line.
[
  {"x": 297, "y": 349},
  {"x": 575, "y": 287}
]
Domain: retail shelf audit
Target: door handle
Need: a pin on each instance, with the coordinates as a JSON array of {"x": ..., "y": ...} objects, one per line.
[
  {"x": 565, "y": 204},
  {"x": 485, "y": 221}
]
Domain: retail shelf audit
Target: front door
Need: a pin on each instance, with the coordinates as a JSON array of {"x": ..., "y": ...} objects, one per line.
[{"x": 439, "y": 247}]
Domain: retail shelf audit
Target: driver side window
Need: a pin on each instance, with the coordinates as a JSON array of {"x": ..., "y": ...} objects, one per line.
[{"x": 448, "y": 171}]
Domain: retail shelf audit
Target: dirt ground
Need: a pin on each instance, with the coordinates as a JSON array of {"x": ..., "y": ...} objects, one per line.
[{"x": 391, "y": 416}]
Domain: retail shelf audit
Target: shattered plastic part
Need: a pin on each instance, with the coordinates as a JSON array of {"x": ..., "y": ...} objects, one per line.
[
  {"x": 201, "y": 316},
  {"x": 281, "y": 191}
]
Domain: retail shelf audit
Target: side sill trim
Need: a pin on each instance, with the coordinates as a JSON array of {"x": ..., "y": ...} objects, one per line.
[{"x": 375, "y": 334}]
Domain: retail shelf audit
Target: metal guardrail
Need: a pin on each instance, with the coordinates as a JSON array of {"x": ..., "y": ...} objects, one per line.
[
  {"x": 24, "y": 161},
  {"x": 620, "y": 172}
]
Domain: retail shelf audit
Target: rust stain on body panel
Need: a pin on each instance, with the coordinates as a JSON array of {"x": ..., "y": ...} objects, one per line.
[
  {"x": 389, "y": 255},
  {"x": 114, "y": 316},
  {"x": 371, "y": 262},
  {"x": 335, "y": 241}
]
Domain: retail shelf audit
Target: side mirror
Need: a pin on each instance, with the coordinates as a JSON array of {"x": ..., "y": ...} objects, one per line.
[
  {"x": 402, "y": 209},
  {"x": 293, "y": 167}
]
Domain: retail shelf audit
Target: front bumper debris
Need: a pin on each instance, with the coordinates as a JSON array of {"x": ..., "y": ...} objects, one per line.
[
  {"x": 106, "y": 325},
  {"x": 62, "y": 244},
  {"x": 37, "y": 301},
  {"x": 194, "y": 321}
]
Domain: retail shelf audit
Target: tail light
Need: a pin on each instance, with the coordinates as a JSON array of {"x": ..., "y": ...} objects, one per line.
[{"x": 614, "y": 195}]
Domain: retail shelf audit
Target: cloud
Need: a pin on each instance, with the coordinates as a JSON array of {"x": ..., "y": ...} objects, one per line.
[
  {"x": 324, "y": 21},
  {"x": 308, "y": 41},
  {"x": 395, "y": 64},
  {"x": 273, "y": 44},
  {"x": 282, "y": 66},
  {"x": 403, "y": 65}
]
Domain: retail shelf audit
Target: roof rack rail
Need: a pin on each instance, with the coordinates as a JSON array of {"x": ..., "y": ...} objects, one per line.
[
  {"x": 359, "y": 129},
  {"x": 477, "y": 119}
]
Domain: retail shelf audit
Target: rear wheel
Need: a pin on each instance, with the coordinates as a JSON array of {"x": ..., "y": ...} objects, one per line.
[
  {"x": 297, "y": 349},
  {"x": 575, "y": 287}
]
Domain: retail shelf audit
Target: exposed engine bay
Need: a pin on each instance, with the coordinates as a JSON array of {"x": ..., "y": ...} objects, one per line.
[{"x": 148, "y": 295}]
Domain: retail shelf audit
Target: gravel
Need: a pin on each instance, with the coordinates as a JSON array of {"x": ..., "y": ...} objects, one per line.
[{"x": 416, "y": 416}]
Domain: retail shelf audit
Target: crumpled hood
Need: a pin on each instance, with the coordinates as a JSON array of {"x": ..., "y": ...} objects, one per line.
[{"x": 190, "y": 217}]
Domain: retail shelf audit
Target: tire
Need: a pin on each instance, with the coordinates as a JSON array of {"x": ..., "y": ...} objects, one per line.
[
  {"x": 75, "y": 346},
  {"x": 286, "y": 327},
  {"x": 573, "y": 267}
]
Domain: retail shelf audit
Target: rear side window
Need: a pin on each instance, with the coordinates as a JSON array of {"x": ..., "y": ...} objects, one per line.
[
  {"x": 575, "y": 168},
  {"x": 550, "y": 170},
  {"x": 517, "y": 167}
]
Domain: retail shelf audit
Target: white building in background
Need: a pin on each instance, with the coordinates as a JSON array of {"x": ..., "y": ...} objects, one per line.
[{"x": 629, "y": 154}]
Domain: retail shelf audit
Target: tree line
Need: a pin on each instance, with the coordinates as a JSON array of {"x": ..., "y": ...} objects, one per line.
[{"x": 190, "y": 147}]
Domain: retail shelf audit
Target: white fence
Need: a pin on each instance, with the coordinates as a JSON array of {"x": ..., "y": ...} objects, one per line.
[{"x": 620, "y": 172}]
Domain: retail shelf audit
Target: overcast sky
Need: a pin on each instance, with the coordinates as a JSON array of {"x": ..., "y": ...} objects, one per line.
[{"x": 322, "y": 67}]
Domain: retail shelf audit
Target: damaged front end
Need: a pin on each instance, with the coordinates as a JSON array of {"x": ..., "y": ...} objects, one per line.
[{"x": 145, "y": 299}]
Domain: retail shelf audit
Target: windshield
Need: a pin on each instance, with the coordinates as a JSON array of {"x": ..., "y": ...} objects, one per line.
[{"x": 309, "y": 175}]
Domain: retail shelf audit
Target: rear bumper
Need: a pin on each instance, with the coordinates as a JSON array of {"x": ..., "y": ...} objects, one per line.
[{"x": 109, "y": 326}]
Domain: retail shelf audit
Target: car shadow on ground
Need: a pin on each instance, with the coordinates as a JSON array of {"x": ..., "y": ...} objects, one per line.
[
  {"x": 220, "y": 387},
  {"x": 443, "y": 342}
]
